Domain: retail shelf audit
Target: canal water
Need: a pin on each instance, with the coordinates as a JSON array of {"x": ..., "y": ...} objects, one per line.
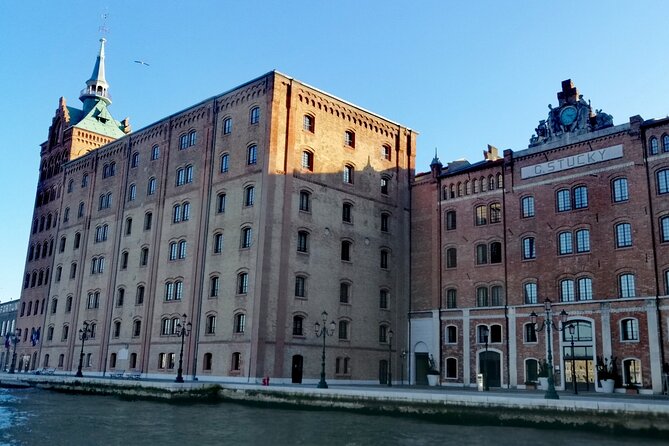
[{"x": 37, "y": 417}]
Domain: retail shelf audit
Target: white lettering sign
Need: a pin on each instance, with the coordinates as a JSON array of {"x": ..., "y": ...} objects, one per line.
[{"x": 571, "y": 162}]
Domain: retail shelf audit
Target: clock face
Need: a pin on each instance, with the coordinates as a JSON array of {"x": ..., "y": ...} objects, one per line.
[{"x": 568, "y": 115}]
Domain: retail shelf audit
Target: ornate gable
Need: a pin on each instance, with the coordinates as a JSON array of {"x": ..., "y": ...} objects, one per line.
[{"x": 573, "y": 116}]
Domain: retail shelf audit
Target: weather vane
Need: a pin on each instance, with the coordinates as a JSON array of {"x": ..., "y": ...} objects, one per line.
[{"x": 103, "y": 28}]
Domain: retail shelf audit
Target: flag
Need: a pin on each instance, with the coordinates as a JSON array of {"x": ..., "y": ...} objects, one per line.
[
  {"x": 32, "y": 337},
  {"x": 7, "y": 340}
]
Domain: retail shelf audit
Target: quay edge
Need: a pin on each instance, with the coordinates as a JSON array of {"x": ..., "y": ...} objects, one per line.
[{"x": 614, "y": 416}]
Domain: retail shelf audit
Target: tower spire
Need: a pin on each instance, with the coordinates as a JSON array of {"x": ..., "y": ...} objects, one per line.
[{"x": 96, "y": 86}]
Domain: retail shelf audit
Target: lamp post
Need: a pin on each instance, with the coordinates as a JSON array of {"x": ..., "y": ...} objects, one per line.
[
  {"x": 572, "y": 329},
  {"x": 323, "y": 331},
  {"x": 403, "y": 356},
  {"x": 548, "y": 324},
  {"x": 183, "y": 330},
  {"x": 14, "y": 339},
  {"x": 84, "y": 333},
  {"x": 485, "y": 331},
  {"x": 390, "y": 350}
]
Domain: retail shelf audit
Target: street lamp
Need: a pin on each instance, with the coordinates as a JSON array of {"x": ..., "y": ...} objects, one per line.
[
  {"x": 85, "y": 332},
  {"x": 183, "y": 330},
  {"x": 572, "y": 329},
  {"x": 485, "y": 331},
  {"x": 548, "y": 324},
  {"x": 323, "y": 331},
  {"x": 14, "y": 339},
  {"x": 390, "y": 350},
  {"x": 403, "y": 356}
]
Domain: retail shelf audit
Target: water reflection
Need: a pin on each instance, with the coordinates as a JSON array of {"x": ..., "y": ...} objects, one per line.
[{"x": 31, "y": 417}]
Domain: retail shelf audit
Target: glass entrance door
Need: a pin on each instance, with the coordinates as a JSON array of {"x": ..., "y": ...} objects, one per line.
[{"x": 578, "y": 354}]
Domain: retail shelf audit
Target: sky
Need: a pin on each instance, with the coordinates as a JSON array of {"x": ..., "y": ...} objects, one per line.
[{"x": 463, "y": 74}]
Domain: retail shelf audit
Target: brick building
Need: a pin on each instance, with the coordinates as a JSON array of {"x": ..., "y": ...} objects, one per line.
[
  {"x": 246, "y": 215},
  {"x": 580, "y": 217}
]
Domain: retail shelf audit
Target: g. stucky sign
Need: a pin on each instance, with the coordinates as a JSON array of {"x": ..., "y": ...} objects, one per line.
[{"x": 571, "y": 162}]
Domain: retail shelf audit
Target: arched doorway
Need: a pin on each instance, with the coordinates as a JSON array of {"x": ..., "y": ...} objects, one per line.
[
  {"x": 490, "y": 366},
  {"x": 581, "y": 361},
  {"x": 296, "y": 373},
  {"x": 383, "y": 372}
]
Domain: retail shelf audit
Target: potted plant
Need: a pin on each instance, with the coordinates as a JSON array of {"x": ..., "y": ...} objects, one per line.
[
  {"x": 607, "y": 373},
  {"x": 543, "y": 375},
  {"x": 432, "y": 373}
]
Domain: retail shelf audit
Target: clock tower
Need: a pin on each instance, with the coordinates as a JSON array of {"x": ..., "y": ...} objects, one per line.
[{"x": 573, "y": 116}]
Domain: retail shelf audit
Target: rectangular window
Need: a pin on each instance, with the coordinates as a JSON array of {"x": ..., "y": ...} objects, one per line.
[
  {"x": 583, "y": 240},
  {"x": 567, "y": 290},
  {"x": 530, "y": 293},
  {"x": 620, "y": 192},
  {"x": 527, "y": 205},
  {"x": 565, "y": 243},
  {"x": 481, "y": 254},
  {"x": 563, "y": 200},
  {"x": 664, "y": 229},
  {"x": 626, "y": 285},
  {"x": 580, "y": 197},
  {"x": 451, "y": 298},
  {"x": 663, "y": 181},
  {"x": 530, "y": 333},
  {"x": 630, "y": 330},
  {"x": 481, "y": 215},
  {"x": 495, "y": 213},
  {"x": 585, "y": 288},
  {"x": 623, "y": 235},
  {"x": 451, "y": 220},
  {"x": 529, "y": 250}
]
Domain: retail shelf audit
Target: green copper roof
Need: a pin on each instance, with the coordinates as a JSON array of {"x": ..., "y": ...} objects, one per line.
[{"x": 97, "y": 120}]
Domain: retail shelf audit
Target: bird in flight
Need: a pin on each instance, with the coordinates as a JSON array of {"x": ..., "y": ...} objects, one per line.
[{"x": 141, "y": 62}]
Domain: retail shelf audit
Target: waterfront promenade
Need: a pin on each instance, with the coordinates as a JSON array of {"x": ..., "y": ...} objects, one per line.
[{"x": 643, "y": 414}]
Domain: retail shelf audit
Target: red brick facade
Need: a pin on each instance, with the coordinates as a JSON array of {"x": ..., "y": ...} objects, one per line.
[{"x": 591, "y": 242}]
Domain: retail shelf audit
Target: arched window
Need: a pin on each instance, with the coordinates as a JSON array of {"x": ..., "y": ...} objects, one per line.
[
  {"x": 349, "y": 139},
  {"x": 235, "y": 363},
  {"x": 298, "y": 326},
  {"x": 482, "y": 296},
  {"x": 302, "y": 241},
  {"x": 254, "y": 115},
  {"x": 134, "y": 160},
  {"x": 308, "y": 160},
  {"x": 242, "y": 283},
  {"x": 220, "y": 203},
  {"x": 305, "y": 201},
  {"x": 344, "y": 293},
  {"x": 309, "y": 123},
  {"x": 210, "y": 326},
  {"x": 451, "y": 258},
  {"x": 249, "y": 195},
  {"x": 348, "y": 174},
  {"x": 247, "y": 237},
  {"x": 239, "y": 323},
  {"x": 629, "y": 329},
  {"x": 252, "y": 155},
  {"x": 346, "y": 250},
  {"x": 343, "y": 332},
  {"x": 653, "y": 146},
  {"x": 300, "y": 286},
  {"x": 206, "y": 362},
  {"x": 227, "y": 126},
  {"x": 225, "y": 162},
  {"x": 155, "y": 153}
]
